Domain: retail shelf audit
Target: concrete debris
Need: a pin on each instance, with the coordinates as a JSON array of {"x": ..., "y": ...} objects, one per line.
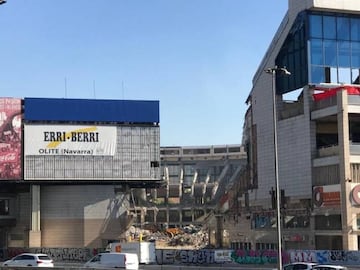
[{"x": 189, "y": 237}]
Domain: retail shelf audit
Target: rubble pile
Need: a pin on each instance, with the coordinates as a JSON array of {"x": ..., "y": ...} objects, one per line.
[{"x": 189, "y": 237}]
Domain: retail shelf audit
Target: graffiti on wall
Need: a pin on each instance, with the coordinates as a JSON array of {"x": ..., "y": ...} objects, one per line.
[
  {"x": 255, "y": 256},
  {"x": 204, "y": 256},
  {"x": 57, "y": 254},
  {"x": 68, "y": 254},
  {"x": 317, "y": 256},
  {"x": 326, "y": 256},
  {"x": 196, "y": 257}
]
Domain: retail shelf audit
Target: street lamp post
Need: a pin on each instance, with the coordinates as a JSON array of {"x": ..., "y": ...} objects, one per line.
[
  {"x": 2, "y": 2},
  {"x": 273, "y": 71}
]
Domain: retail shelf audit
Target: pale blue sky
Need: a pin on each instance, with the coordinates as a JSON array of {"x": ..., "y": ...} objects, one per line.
[{"x": 197, "y": 57}]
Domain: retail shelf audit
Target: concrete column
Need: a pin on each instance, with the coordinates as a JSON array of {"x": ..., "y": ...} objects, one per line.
[
  {"x": 219, "y": 231},
  {"x": 347, "y": 218},
  {"x": 35, "y": 230},
  {"x": 180, "y": 214}
]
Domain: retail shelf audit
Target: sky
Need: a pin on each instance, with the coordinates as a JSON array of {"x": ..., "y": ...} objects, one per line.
[{"x": 196, "y": 57}]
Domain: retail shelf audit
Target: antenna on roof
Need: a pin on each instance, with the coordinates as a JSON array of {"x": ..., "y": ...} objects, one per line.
[
  {"x": 94, "y": 89},
  {"x": 65, "y": 85},
  {"x": 122, "y": 89}
]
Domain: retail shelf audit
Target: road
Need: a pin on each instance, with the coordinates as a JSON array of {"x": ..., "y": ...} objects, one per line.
[
  {"x": 172, "y": 267},
  {"x": 209, "y": 267},
  {"x": 218, "y": 267}
]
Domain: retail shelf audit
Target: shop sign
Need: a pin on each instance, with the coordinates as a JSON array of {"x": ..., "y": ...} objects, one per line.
[
  {"x": 355, "y": 195},
  {"x": 294, "y": 238}
]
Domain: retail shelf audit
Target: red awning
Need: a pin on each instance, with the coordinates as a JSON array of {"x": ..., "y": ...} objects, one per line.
[{"x": 328, "y": 92}]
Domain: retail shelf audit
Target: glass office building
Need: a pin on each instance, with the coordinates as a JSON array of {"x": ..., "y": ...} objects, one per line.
[{"x": 321, "y": 47}]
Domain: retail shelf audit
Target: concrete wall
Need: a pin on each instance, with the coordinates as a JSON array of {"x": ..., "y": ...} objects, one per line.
[
  {"x": 18, "y": 235},
  {"x": 294, "y": 151},
  {"x": 81, "y": 215}
]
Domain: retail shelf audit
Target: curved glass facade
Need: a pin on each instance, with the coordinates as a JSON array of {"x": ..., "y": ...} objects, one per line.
[
  {"x": 320, "y": 48},
  {"x": 293, "y": 56}
]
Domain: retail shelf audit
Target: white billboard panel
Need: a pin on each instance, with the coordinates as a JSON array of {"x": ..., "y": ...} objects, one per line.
[
  {"x": 69, "y": 140},
  {"x": 137, "y": 157}
]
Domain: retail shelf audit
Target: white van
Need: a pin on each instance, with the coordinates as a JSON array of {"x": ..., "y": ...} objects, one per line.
[
  {"x": 114, "y": 260},
  {"x": 145, "y": 250}
]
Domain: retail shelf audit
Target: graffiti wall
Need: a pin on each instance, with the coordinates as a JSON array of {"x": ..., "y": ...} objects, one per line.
[
  {"x": 255, "y": 256},
  {"x": 57, "y": 254},
  {"x": 204, "y": 256},
  {"x": 325, "y": 256},
  {"x": 188, "y": 257},
  {"x": 317, "y": 256}
]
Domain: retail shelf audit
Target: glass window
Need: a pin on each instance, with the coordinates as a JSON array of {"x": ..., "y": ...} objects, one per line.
[
  {"x": 329, "y": 27},
  {"x": 355, "y": 76},
  {"x": 317, "y": 52},
  {"x": 96, "y": 258},
  {"x": 315, "y": 26},
  {"x": 295, "y": 52},
  {"x": 297, "y": 41},
  {"x": 343, "y": 28},
  {"x": 355, "y": 29},
  {"x": 344, "y": 54},
  {"x": 297, "y": 67},
  {"x": 28, "y": 257},
  {"x": 20, "y": 257},
  {"x": 330, "y": 52},
  {"x": 304, "y": 69},
  {"x": 344, "y": 75},
  {"x": 333, "y": 75},
  {"x": 333, "y": 50},
  {"x": 317, "y": 74},
  {"x": 355, "y": 54}
]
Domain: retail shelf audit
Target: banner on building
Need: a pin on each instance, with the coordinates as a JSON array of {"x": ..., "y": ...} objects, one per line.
[
  {"x": 10, "y": 138},
  {"x": 330, "y": 92},
  {"x": 69, "y": 140},
  {"x": 325, "y": 196}
]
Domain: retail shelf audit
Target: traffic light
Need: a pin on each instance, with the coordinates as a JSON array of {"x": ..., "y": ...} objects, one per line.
[
  {"x": 273, "y": 198},
  {"x": 272, "y": 192},
  {"x": 282, "y": 199}
]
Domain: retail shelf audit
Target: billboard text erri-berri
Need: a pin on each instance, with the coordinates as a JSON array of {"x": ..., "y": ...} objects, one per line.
[{"x": 69, "y": 140}]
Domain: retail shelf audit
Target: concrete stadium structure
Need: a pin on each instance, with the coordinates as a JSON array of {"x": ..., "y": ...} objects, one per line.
[
  {"x": 87, "y": 196},
  {"x": 82, "y": 173},
  {"x": 318, "y": 127},
  {"x": 195, "y": 191}
]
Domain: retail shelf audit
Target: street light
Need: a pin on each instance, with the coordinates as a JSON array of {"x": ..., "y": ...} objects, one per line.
[
  {"x": 2, "y": 2},
  {"x": 274, "y": 71}
]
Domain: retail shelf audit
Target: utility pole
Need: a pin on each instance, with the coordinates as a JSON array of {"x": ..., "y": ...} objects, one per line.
[{"x": 273, "y": 72}]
